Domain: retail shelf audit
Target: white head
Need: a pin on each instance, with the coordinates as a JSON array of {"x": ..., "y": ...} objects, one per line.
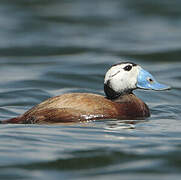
[{"x": 124, "y": 77}]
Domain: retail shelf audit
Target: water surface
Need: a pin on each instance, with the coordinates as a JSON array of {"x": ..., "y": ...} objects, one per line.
[{"x": 54, "y": 47}]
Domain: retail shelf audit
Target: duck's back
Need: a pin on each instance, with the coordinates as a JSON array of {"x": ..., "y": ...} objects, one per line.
[
  {"x": 76, "y": 107},
  {"x": 79, "y": 101},
  {"x": 72, "y": 107}
]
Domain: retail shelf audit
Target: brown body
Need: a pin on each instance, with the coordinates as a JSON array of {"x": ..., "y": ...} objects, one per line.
[{"x": 76, "y": 107}]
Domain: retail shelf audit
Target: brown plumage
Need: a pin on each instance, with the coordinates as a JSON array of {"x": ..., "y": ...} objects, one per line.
[
  {"x": 120, "y": 102},
  {"x": 76, "y": 107}
]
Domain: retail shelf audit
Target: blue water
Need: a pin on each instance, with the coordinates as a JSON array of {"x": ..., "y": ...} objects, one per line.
[{"x": 54, "y": 47}]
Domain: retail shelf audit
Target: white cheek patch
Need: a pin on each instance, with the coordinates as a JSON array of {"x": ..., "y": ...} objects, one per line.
[
  {"x": 115, "y": 74},
  {"x": 112, "y": 72},
  {"x": 121, "y": 80}
]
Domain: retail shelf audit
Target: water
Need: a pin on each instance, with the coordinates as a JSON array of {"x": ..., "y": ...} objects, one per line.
[{"x": 53, "y": 47}]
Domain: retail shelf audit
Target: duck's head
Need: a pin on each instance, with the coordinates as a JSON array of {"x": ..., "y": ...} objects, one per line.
[{"x": 124, "y": 77}]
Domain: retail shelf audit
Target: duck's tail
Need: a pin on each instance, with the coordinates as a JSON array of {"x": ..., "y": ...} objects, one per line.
[{"x": 16, "y": 120}]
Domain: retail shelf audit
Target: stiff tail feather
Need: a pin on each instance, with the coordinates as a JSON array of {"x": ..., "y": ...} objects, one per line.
[{"x": 16, "y": 120}]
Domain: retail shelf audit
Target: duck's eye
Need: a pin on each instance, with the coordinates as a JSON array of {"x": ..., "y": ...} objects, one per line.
[{"x": 128, "y": 68}]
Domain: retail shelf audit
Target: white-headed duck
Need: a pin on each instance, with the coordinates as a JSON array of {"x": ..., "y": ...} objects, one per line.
[{"x": 120, "y": 102}]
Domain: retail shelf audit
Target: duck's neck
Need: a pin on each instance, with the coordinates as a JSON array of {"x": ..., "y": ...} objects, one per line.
[
  {"x": 127, "y": 101},
  {"x": 113, "y": 95}
]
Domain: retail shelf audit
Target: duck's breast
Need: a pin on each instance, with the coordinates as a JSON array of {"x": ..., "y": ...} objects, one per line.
[{"x": 75, "y": 107}]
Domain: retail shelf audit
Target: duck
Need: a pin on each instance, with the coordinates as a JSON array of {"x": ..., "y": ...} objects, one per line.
[{"x": 119, "y": 102}]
